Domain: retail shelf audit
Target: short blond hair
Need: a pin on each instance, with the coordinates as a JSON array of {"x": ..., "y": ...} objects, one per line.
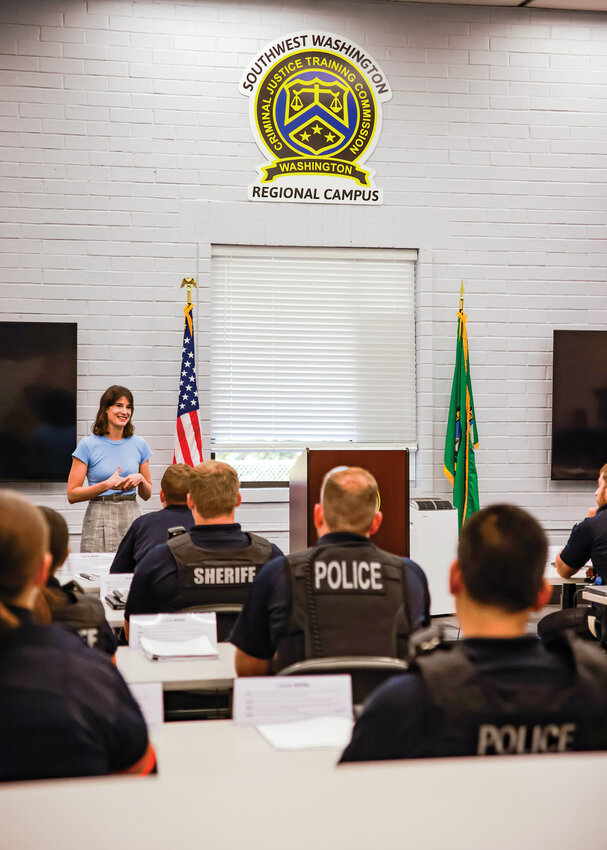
[
  {"x": 175, "y": 483},
  {"x": 603, "y": 472},
  {"x": 214, "y": 488},
  {"x": 349, "y": 499}
]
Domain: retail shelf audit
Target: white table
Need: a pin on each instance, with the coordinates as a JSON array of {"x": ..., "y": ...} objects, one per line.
[
  {"x": 222, "y": 746},
  {"x": 224, "y": 788},
  {"x": 200, "y": 674},
  {"x": 568, "y": 584},
  {"x": 596, "y": 594},
  {"x": 552, "y": 577}
]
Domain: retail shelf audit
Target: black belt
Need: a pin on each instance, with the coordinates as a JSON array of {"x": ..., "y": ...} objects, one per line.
[{"x": 116, "y": 497}]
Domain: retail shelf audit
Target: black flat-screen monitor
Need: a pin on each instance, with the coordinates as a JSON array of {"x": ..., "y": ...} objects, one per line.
[
  {"x": 38, "y": 373},
  {"x": 579, "y": 404}
]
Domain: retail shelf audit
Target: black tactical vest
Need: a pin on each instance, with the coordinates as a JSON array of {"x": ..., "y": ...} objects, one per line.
[
  {"x": 208, "y": 577},
  {"x": 470, "y": 717},
  {"x": 345, "y": 600},
  {"x": 83, "y": 614}
]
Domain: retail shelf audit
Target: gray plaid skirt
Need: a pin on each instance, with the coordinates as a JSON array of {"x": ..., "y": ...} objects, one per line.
[{"x": 105, "y": 524}]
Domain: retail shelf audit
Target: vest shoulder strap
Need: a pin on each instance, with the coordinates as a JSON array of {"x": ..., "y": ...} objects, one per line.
[
  {"x": 296, "y": 561},
  {"x": 185, "y": 551},
  {"x": 453, "y": 680}
]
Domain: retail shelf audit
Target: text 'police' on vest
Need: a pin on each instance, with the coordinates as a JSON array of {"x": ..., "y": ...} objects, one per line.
[{"x": 353, "y": 576}]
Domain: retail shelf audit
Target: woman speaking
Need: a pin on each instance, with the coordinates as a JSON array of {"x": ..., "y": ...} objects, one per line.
[{"x": 115, "y": 463}]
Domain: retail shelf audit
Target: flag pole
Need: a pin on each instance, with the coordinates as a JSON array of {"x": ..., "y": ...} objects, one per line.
[
  {"x": 188, "y": 441},
  {"x": 187, "y": 310},
  {"x": 461, "y": 438},
  {"x": 191, "y": 282}
]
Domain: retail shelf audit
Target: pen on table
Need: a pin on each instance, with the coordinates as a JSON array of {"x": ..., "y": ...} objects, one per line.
[{"x": 89, "y": 576}]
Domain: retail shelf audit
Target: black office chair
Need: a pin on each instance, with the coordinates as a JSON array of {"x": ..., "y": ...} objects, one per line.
[
  {"x": 597, "y": 624},
  {"x": 210, "y": 704},
  {"x": 367, "y": 672},
  {"x": 227, "y": 614}
]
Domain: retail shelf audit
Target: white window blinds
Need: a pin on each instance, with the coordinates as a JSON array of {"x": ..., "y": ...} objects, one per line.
[{"x": 312, "y": 346}]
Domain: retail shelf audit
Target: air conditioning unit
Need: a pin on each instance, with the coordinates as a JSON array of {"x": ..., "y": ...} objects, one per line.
[{"x": 433, "y": 545}]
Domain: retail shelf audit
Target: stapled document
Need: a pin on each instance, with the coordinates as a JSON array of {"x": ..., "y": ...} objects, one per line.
[
  {"x": 315, "y": 733},
  {"x": 176, "y": 650},
  {"x": 173, "y": 628}
]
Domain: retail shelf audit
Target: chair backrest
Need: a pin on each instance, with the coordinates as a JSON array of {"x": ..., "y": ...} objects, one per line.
[
  {"x": 227, "y": 614},
  {"x": 367, "y": 672}
]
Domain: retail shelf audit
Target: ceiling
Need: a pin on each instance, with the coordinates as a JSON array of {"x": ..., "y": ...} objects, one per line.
[{"x": 575, "y": 5}]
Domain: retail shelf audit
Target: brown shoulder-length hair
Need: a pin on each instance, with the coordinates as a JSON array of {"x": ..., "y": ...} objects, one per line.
[
  {"x": 110, "y": 397},
  {"x": 50, "y": 599}
]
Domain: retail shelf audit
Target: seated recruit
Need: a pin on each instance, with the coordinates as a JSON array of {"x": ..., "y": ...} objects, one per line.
[
  {"x": 151, "y": 529},
  {"x": 343, "y": 596},
  {"x": 500, "y": 691},
  {"x": 214, "y": 563}
]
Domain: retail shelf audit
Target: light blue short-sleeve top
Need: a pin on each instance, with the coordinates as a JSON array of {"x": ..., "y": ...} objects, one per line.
[{"x": 103, "y": 457}]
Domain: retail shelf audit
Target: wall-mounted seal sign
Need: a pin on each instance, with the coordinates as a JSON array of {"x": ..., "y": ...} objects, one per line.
[{"x": 315, "y": 111}]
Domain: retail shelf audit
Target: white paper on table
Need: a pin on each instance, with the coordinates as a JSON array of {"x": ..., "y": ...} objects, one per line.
[
  {"x": 93, "y": 564},
  {"x": 172, "y": 627},
  {"x": 116, "y": 581},
  {"x": 553, "y": 551},
  {"x": 87, "y": 561},
  {"x": 149, "y": 697},
  {"x": 174, "y": 650},
  {"x": 284, "y": 699},
  {"x": 315, "y": 733}
]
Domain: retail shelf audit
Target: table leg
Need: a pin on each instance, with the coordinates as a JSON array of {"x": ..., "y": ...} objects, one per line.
[{"x": 568, "y": 595}]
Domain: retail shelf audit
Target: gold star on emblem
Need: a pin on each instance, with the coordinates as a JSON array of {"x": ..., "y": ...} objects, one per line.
[
  {"x": 330, "y": 137},
  {"x": 316, "y": 128},
  {"x": 305, "y": 136}
]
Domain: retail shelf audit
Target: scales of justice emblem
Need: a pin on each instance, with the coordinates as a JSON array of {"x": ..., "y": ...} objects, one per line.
[{"x": 316, "y": 115}]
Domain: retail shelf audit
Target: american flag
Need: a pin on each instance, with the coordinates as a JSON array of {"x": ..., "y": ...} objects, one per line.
[{"x": 188, "y": 444}]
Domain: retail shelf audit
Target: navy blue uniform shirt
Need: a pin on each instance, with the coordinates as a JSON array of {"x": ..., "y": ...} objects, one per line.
[
  {"x": 264, "y": 620},
  {"x": 588, "y": 541},
  {"x": 146, "y": 532},
  {"x": 65, "y": 710},
  {"x": 155, "y": 585},
  {"x": 399, "y": 718}
]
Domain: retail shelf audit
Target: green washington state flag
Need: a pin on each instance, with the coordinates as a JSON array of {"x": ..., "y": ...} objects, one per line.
[{"x": 462, "y": 437}]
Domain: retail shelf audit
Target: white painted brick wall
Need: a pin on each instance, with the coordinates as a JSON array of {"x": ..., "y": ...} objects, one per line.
[{"x": 116, "y": 116}]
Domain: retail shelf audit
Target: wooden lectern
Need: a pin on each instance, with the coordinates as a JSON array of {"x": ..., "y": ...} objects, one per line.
[{"x": 391, "y": 470}]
